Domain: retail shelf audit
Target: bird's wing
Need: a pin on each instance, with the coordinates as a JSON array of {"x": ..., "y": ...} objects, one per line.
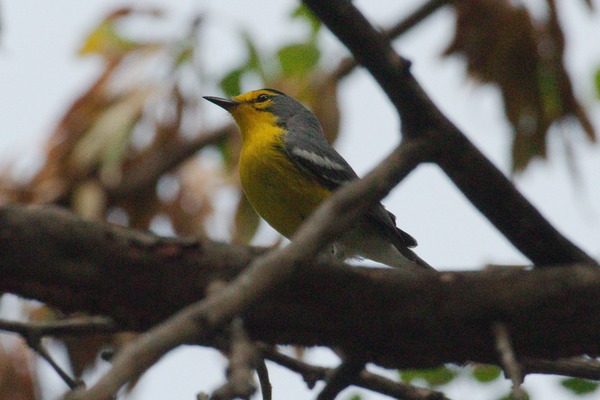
[{"x": 321, "y": 161}]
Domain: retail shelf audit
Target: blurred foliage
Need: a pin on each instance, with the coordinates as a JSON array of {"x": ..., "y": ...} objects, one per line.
[
  {"x": 354, "y": 397},
  {"x": 579, "y": 386},
  {"x": 504, "y": 45},
  {"x": 432, "y": 377},
  {"x": 485, "y": 373}
]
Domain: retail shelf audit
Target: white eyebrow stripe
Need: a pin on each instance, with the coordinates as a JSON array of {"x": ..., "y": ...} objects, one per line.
[{"x": 321, "y": 161}]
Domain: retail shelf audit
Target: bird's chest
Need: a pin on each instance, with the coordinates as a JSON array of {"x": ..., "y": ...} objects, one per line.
[{"x": 280, "y": 193}]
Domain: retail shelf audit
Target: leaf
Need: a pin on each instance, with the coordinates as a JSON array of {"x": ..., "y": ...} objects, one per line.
[
  {"x": 17, "y": 372},
  {"x": 485, "y": 373},
  {"x": 505, "y": 46},
  {"x": 597, "y": 82},
  {"x": 579, "y": 386},
  {"x": 355, "y": 397},
  {"x": 185, "y": 54},
  {"x": 434, "y": 377},
  {"x": 302, "y": 12},
  {"x": 230, "y": 84},
  {"x": 107, "y": 41},
  {"x": 299, "y": 58},
  {"x": 106, "y": 141}
]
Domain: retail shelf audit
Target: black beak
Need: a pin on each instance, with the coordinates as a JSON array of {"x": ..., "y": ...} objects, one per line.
[{"x": 224, "y": 103}]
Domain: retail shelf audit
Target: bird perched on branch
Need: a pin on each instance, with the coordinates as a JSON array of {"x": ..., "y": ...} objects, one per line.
[{"x": 288, "y": 168}]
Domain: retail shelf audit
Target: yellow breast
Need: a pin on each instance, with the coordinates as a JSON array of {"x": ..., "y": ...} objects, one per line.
[{"x": 280, "y": 193}]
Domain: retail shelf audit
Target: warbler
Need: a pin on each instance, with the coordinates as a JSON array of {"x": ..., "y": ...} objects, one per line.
[{"x": 287, "y": 168}]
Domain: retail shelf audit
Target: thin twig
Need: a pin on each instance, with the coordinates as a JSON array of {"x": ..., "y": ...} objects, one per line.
[
  {"x": 263, "y": 377},
  {"x": 417, "y": 16},
  {"x": 34, "y": 332},
  {"x": 508, "y": 359},
  {"x": 78, "y": 326},
  {"x": 342, "y": 377},
  {"x": 366, "y": 380},
  {"x": 578, "y": 367},
  {"x": 37, "y": 345}
]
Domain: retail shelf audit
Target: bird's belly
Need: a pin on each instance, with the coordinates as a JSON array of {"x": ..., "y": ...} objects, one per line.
[{"x": 280, "y": 193}]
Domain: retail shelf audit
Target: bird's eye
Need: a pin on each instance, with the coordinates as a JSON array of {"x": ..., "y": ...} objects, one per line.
[{"x": 262, "y": 98}]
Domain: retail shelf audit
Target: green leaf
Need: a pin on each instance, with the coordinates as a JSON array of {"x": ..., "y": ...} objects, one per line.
[
  {"x": 597, "y": 82},
  {"x": 298, "y": 58},
  {"x": 355, "y": 397},
  {"x": 230, "y": 84},
  {"x": 579, "y": 386},
  {"x": 486, "y": 373},
  {"x": 434, "y": 377},
  {"x": 302, "y": 12},
  {"x": 185, "y": 54}
]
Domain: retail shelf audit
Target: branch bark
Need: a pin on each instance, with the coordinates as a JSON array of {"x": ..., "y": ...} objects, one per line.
[
  {"x": 430, "y": 318},
  {"x": 479, "y": 180}
]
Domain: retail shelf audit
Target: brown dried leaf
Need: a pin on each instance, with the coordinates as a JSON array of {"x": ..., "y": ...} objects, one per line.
[
  {"x": 194, "y": 202},
  {"x": 82, "y": 350},
  {"x": 505, "y": 46},
  {"x": 16, "y": 372},
  {"x": 57, "y": 177},
  {"x": 107, "y": 41},
  {"x": 105, "y": 143}
]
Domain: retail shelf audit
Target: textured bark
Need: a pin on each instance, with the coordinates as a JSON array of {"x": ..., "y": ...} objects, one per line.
[{"x": 398, "y": 318}]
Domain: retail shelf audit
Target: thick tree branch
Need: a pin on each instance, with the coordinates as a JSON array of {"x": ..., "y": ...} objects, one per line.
[
  {"x": 138, "y": 281},
  {"x": 481, "y": 182}
]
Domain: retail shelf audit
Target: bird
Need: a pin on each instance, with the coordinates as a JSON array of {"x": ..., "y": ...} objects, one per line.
[{"x": 287, "y": 168}]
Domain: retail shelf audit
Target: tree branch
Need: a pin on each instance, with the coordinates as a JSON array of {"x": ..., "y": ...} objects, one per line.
[
  {"x": 479, "y": 180},
  {"x": 149, "y": 168},
  {"x": 341, "y": 377},
  {"x": 416, "y": 17},
  {"x": 366, "y": 380},
  {"x": 140, "y": 284},
  {"x": 579, "y": 367}
]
